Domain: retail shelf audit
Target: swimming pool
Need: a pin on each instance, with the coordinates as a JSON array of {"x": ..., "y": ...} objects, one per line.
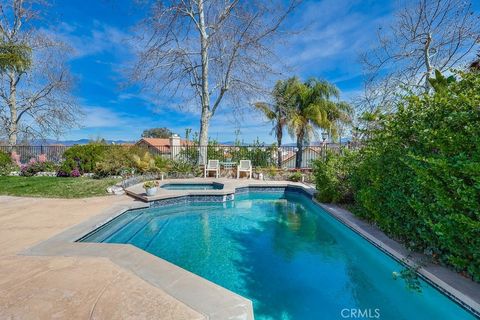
[
  {"x": 192, "y": 186},
  {"x": 291, "y": 258}
]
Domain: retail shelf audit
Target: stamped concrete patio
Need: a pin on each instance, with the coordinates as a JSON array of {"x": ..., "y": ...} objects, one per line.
[{"x": 70, "y": 287}]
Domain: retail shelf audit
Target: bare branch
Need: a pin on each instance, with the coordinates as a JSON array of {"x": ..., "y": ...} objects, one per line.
[
  {"x": 427, "y": 35},
  {"x": 221, "y": 49},
  {"x": 36, "y": 101}
]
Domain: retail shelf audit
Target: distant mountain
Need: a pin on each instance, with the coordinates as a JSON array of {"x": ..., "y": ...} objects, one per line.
[
  {"x": 44, "y": 142},
  {"x": 38, "y": 142}
]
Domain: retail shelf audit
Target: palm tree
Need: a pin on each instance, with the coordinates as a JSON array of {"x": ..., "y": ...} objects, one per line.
[
  {"x": 277, "y": 112},
  {"x": 316, "y": 105}
]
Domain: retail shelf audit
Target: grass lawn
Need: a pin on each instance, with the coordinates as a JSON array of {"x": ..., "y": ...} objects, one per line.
[{"x": 53, "y": 187}]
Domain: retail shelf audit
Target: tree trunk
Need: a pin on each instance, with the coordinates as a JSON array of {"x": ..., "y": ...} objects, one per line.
[
  {"x": 299, "y": 156},
  {"x": 12, "y": 105},
  {"x": 205, "y": 97},
  {"x": 279, "y": 157},
  {"x": 279, "y": 150},
  {"x": 203, "y": 141},
  {"x": 428, "y": 64}
]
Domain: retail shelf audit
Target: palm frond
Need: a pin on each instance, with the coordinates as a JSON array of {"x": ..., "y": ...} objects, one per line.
[{"x": 266, "y": 109}]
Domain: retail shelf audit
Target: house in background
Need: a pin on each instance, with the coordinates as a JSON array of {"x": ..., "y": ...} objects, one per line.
[{"x": 169, "y": 148}]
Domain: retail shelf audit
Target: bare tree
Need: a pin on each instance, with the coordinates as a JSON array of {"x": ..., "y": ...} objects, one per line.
[
  {"x": 34, "y": 101},
  {"x": 426, "y": 35},
  {"x": 208, "y": 51}
]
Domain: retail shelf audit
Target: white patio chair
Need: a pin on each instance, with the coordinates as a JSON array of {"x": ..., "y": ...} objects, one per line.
[
  {"x": 245, "y": 166},
  {"x": 212, "y": 165}
]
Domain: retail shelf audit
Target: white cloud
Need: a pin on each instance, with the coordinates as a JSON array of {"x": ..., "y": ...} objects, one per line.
[
  {"x": 99, "y": 117},
  {"x": 335, "y": 32},
  {"x": 91, "y": 40}
]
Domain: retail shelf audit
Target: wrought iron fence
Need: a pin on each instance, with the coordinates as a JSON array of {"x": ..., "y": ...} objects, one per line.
[
  {"x": 53, "y": 153},
  {"x": 261, "y": 156}
]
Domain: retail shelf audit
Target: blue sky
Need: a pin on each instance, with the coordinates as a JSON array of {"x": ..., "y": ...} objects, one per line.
[{"x": 335, "y": 31}]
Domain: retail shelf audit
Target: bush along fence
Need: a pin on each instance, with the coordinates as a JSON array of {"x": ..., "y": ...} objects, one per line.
[{"x": 261, "y": 156}]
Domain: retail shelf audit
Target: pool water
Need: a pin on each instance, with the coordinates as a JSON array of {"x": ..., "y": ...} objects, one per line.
[
  {"x": 193, "y": 186},
  {"x": 291, "y": 258}
]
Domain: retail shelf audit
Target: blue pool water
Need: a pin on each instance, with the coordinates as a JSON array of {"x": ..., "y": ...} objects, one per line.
[
  {"x": 193, "y": 186},
  {"x": 291, "y": 258}
]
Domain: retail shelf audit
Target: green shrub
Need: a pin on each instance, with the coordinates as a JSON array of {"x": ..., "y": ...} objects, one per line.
[
  {"x": 83, "y": 157},
  {"x": 5, "y": 159},
  {"x": 295, "y": 177},
  {"x": 117, "y": 161},
  {"x": 332, "y": 177},
  {"x": 419, "y": 175},
  {"x": 183, "y": 167},
  {"x": 6, "y": 164},
  {"x": 145, "y": 162},
  {"x": 151, "y": 184},
  {"x": 162, "y": 163},
  {"x": 121, "y": 160}
]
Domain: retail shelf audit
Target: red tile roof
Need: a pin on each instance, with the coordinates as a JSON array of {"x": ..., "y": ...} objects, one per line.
[{"x": 162, "y": 144}]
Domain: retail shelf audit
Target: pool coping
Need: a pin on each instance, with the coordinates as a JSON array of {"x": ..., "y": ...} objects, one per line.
[
  {"x": 229, "y": 188},
  {"x": 210, "y": 299}
]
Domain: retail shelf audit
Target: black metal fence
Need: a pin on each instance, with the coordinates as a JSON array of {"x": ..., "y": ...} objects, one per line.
[
  {"x": 53, "y": 153},
  {"x": 261, "y": 156}
]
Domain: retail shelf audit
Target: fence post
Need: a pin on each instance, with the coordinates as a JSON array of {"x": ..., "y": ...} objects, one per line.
[{"x": 174, "y": 146}]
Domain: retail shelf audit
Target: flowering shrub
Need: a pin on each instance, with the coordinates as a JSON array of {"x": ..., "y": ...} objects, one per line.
[
  {"x": 15, "y": 157},
  {"x": 42, "y": 158},
  {"x": 33, "y": 167},
  {"x": 62, "y": 173},
  {"x": 75, "y": 173}
]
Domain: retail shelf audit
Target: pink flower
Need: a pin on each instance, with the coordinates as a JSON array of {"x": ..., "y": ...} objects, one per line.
[
  {"x": 32, "y": 161},
  {"x": 16, "y": 158},
  {"x": 42, "y": 158},
  {"x": 75, "y": 173}
]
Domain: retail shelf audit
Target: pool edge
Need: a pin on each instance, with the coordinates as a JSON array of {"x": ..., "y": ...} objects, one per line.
[{"x": 398, "y": 252}]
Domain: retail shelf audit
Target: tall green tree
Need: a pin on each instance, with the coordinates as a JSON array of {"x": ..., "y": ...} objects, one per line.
[
  {"x": 277, "y": 111},
  {"x": 316, "y": 105},
  {"x": 163, "y": 133}
]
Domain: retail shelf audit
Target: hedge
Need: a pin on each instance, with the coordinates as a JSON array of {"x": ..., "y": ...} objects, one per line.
[{"x": 418, "y": 176}]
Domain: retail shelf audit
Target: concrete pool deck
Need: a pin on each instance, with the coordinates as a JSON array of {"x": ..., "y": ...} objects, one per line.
[
  {"x": 46, "y": 274},
  {"x": 64, "y": 287}
]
